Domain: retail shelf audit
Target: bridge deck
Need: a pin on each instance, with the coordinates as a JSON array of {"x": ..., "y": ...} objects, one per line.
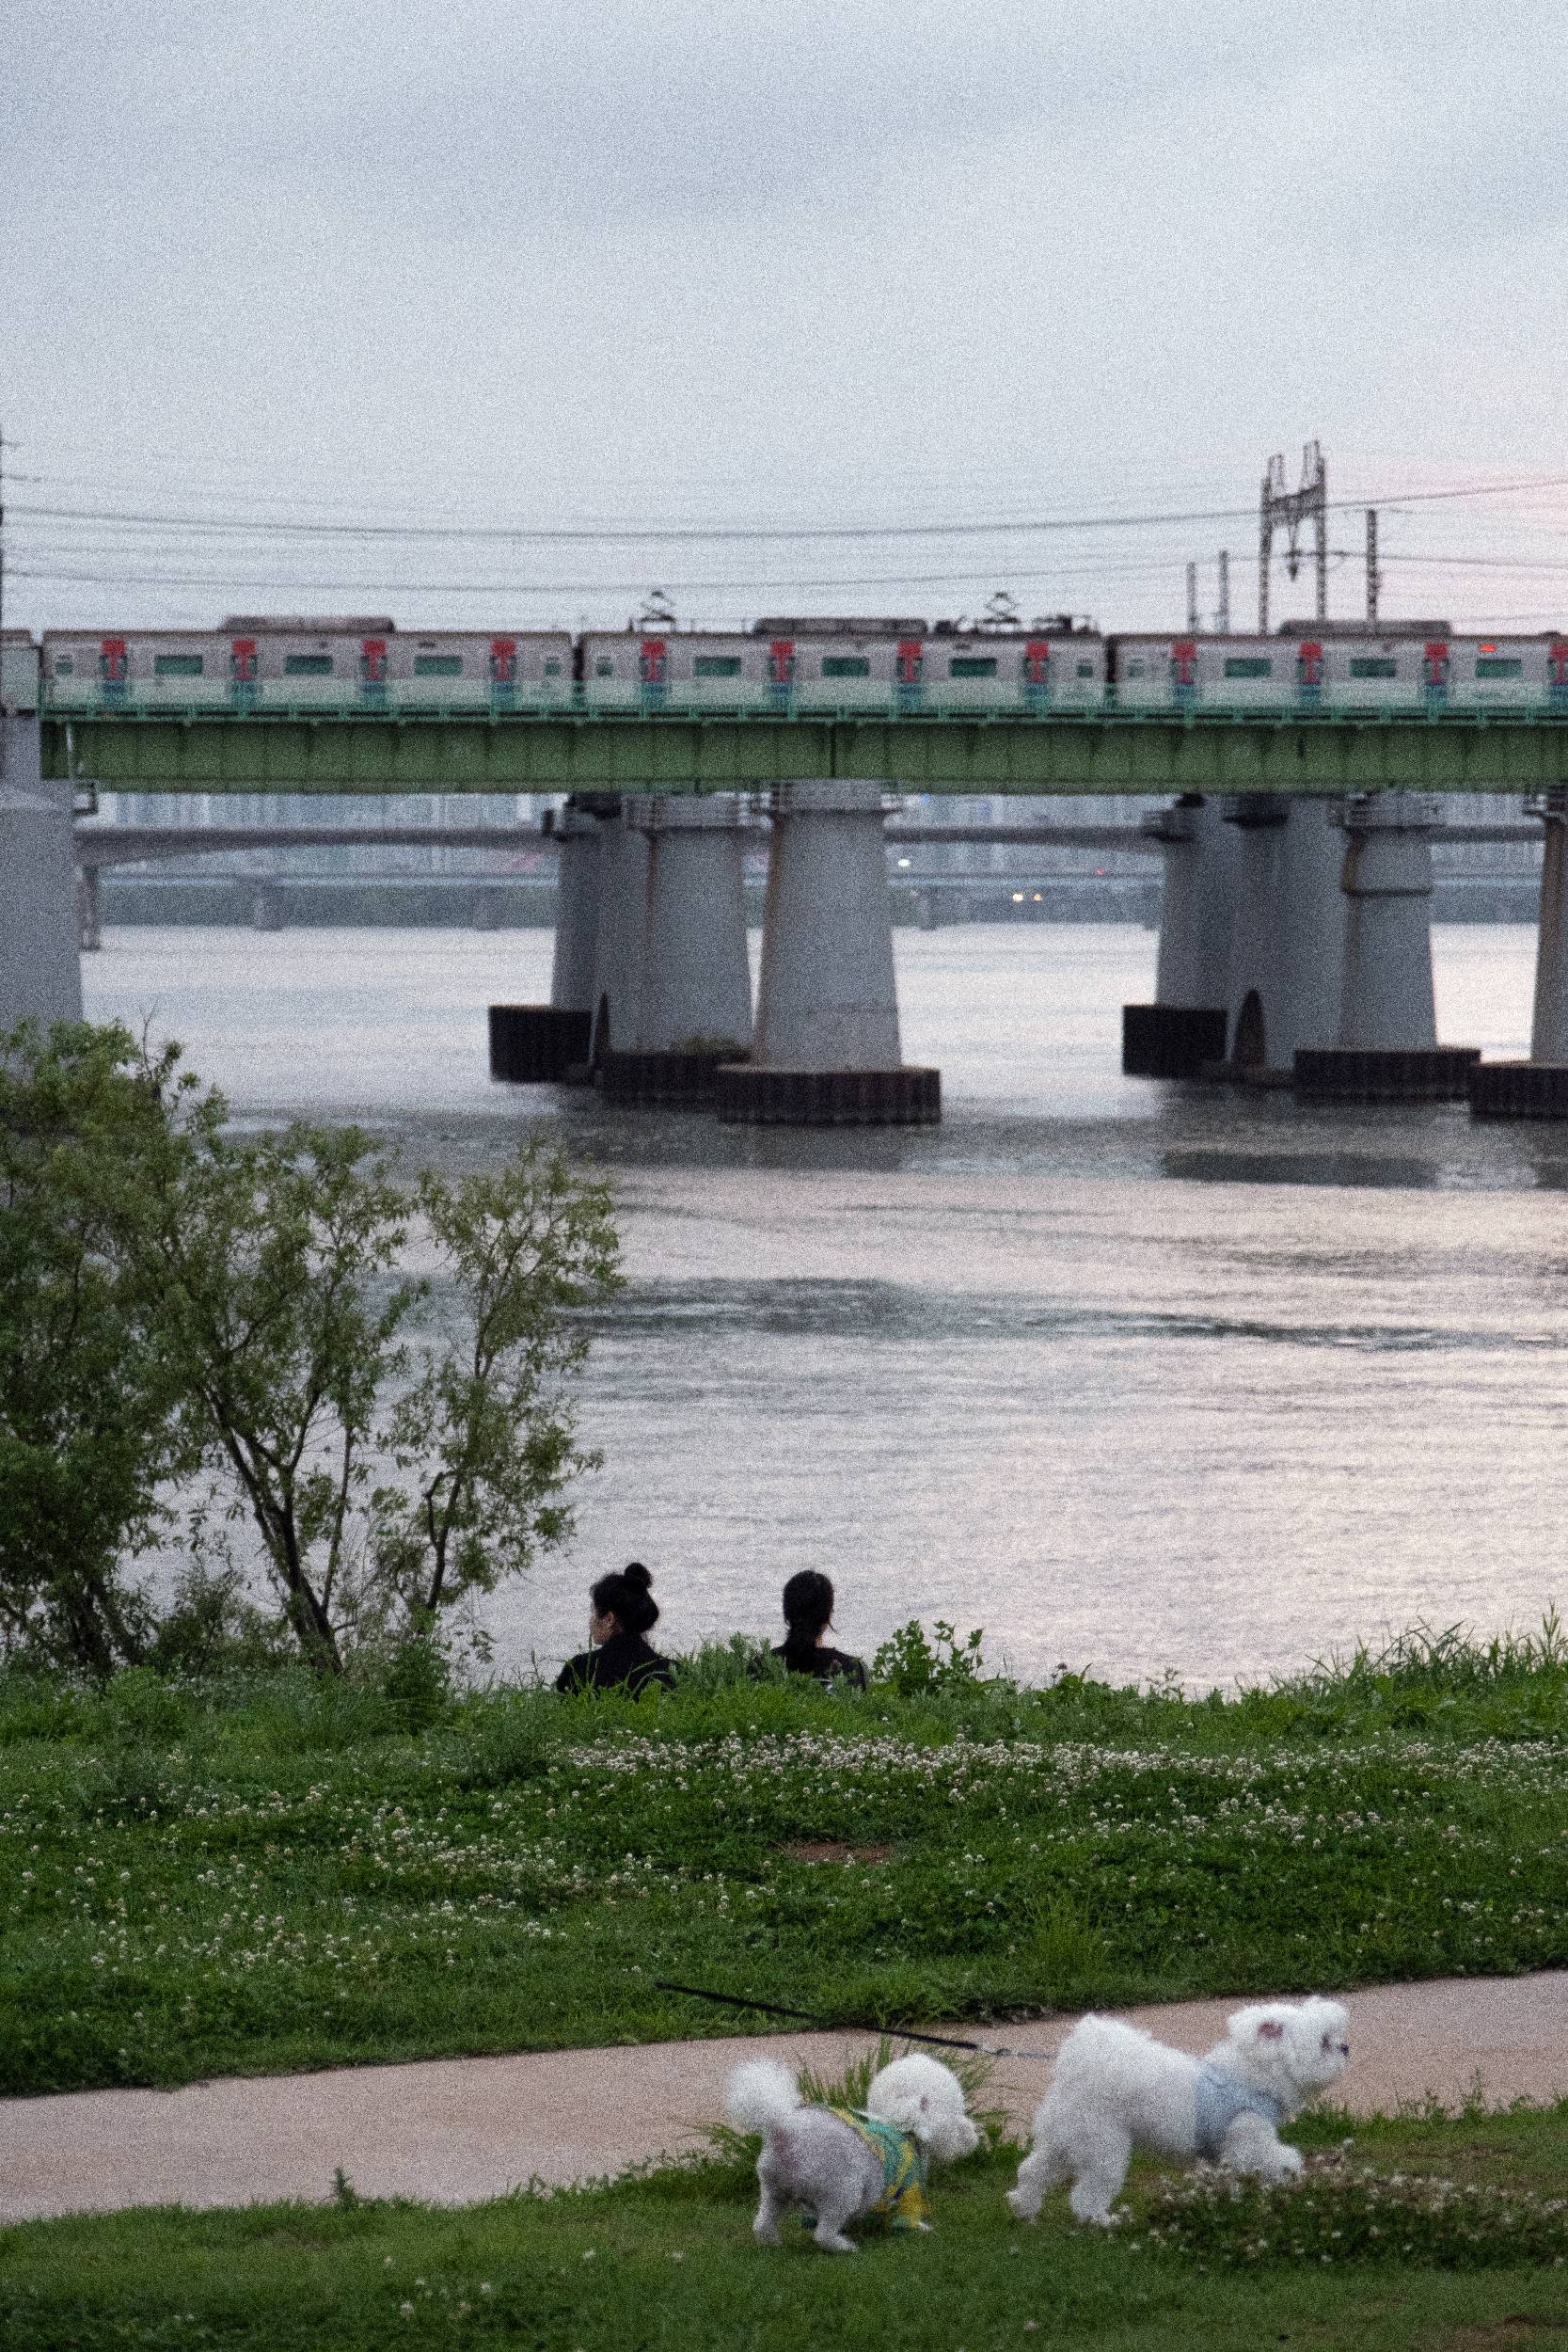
[{"x": 675, "y": 751}]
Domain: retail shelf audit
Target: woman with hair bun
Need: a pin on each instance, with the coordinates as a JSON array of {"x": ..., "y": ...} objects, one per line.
[
  {"x": 808, "y": 1608},
  {"x": 620, "y": 1613}
]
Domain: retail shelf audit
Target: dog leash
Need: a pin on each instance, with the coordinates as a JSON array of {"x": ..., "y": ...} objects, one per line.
[{"x": 836, "y": 2025}]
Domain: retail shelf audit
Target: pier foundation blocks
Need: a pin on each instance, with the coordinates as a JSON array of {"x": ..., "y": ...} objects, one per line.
[
  {"x": 1171, "y": 1040},
  {"x": 1519, "y": 1089},
  {"x": 1367, "y": 1073},
  {"x": 746, "y": 1096},
  {"x": 536, "y": 1044},
  {"x": 655, "y": 1079}
]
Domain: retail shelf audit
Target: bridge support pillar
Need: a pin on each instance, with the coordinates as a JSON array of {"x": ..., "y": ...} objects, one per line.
[
  {"x": 1385, "y": 1048},
  {"x": 695, "y": 1007},
  {"x": 90, "y": 908},
  {"x": 1287, "y": 946},
  {"x": 536, "y": 1044},
  {"x": 1548, "y": 1037},
  {"x": 826, "y": 1050},
  {"x": 41, "y": 974},
  {"x": 620, "y": 938},
  {"x": 1185, "y": 1026}
]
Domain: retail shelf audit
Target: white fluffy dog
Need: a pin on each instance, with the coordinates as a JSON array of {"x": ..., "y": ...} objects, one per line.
[
  {"x": 842, "y": 2163},
  {"x": 1115, "y": 2088}
]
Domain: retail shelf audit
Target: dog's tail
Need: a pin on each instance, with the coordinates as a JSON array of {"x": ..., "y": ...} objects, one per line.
[{"x": 760, "y": 2095}]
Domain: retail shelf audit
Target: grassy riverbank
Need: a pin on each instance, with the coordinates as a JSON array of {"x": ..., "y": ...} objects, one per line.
[
  {"x": 667, "y": 2264},
  {"x": 291, "y": 1874}
]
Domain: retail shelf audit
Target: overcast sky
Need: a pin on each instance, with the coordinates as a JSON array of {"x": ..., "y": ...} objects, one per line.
[{"x": 708, "y": 263}]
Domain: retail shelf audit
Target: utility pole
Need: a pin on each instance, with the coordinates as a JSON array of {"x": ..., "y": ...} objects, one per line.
[
  {"x": 1222, "y": 613},
  {"x": 1291, "y": 509},
  {"x": 1373, "y": 583},
  {"x": 1192, "y": 599}
]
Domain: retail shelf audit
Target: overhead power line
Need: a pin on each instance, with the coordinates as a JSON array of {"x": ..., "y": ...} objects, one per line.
[{"x": 209, "y": 526}]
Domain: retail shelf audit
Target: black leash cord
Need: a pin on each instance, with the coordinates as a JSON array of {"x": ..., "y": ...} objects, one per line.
[{"x": 829, "y": 2025}]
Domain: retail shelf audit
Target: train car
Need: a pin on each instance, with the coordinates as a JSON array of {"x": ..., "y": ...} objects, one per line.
[
  {"x": 1305, "y": 665},
  {"x": 19, "y": 671},
  {"x": 657, "y": 665},
  {"x": 834, "y": 665},
  {"x": 1050, "y": 666},
  {"x": 262, "y": 662}
]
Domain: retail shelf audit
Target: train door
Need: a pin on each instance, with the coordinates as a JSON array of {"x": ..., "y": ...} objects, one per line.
[
  {"x": 781, "y": 669},
  {"x": 243, "y": 668},
  {"x": 372, "y": 669},
  {"x": 1035, "y": 671},
  {"x": 1309, "y": 671},
  {"x": 653, "y": 669},
  {"x": 1183, "y": 670},
  {"x": 503, "y": 672},
  {"x": 909, "y": 665},
  {"x": 113, "y": 668},
  {"x": 1557, "y": 673},
  {"x": 1435, "y": 670}
]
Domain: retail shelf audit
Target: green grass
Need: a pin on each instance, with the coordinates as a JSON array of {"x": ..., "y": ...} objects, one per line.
[
  {"x": 280, "y": 1875},
  {"x": 666, "y": 2264}
]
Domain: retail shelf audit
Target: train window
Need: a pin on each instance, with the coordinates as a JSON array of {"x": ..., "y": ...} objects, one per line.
[
  {"x": 308, "y": 665},
  {"x": 716, "y": 665},
  {"x": 437, "y": 666},
  {"x": 846, "y": 665},
  {"x": 1086, "y": 669},
  {"x": 1373, "y": 665},
  {"x": 64, "y": 665},
  {"x": 552, "y": 665},
  {"x": 604, "y": 666},
  {"x": 177, "y": 665},
  {"x": 1498, "y": 665},
  {"x": 972, "y": 665},
  {"x": 1248, "y": 665},
  {"x": 1135, "y": 669}
]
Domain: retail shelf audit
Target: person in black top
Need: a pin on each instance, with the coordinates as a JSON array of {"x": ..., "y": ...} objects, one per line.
[
  {"x": 622, "y": 1610},
  {"x": 808, "y": 1607}
]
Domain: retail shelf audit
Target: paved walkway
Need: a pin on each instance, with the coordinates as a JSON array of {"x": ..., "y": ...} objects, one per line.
[{"x": 453, "y": 2130}]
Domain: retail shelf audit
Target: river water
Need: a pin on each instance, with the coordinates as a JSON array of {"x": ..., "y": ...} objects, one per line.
[{"x": 1137, "y": 1377}]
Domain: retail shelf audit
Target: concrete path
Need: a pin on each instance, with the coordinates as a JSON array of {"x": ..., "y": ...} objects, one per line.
[{"x": 451, "y": 2131}]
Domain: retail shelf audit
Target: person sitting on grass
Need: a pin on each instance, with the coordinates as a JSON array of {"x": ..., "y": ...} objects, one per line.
[
  {"x": 621, "y": 1612},
  {"x": 808, "y": 1608}
]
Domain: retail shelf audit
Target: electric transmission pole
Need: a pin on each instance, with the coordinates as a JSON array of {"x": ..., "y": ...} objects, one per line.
[
  {"x": 1192, "y": 599},
  {"x": 1222, "y": 613},
  {"x": 1290, "y": 509},
  {"x": 1373, "y": 581}
]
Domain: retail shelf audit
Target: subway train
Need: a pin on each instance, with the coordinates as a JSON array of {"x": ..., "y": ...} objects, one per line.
[{"x": 862, "y": 667}]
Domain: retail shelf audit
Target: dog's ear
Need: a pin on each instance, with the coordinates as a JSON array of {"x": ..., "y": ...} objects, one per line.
[{"x": 1271, "y": 2030}]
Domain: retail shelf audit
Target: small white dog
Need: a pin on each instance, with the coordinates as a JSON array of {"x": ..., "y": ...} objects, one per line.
[
  {"x": 1115, "y": 2088},
  {"x": 842, "y": 2163}
]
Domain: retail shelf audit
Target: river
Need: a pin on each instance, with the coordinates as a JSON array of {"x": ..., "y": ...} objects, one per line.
[{"x": 1139, "y": 1378}]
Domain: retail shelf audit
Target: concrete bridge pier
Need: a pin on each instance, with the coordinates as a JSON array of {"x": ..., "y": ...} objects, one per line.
[
  {"x": 41, "y": 973},
  {"x": 1385, "y": 1048},
  {"x": 1185, "y": 1026},
  {"x": 90, "y": 908},
  {"x": 826, "y": 1050},
  {"x": 1538, "y": 1089},
  {"x": 695, "y": 1007},
  {"x": 536, "y": 1044},
  {"x": 1287, "y": 945}
]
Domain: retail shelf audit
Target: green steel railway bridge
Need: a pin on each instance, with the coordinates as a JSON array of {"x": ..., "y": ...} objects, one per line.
[{"x": 673, "y": 750}]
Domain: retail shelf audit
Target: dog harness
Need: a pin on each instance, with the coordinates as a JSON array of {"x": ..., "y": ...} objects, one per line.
[
  {"x": 902, "y": 2203},
  {"x": 1221, "y": 2098}
]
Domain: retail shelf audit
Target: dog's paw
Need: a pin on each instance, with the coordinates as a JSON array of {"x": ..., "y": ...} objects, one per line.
[
  {"x": 1289, "y": 2163},
  {"x": 1020, "y": 2206}
]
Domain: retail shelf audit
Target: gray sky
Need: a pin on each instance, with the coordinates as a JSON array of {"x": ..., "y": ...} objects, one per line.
[{"x": 705, "y": 263}]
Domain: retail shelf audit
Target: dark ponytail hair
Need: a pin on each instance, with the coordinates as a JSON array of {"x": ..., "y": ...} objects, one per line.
[
  {"x": 808, "y": 1605},
  {"x": 627, "y": 1596}
]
